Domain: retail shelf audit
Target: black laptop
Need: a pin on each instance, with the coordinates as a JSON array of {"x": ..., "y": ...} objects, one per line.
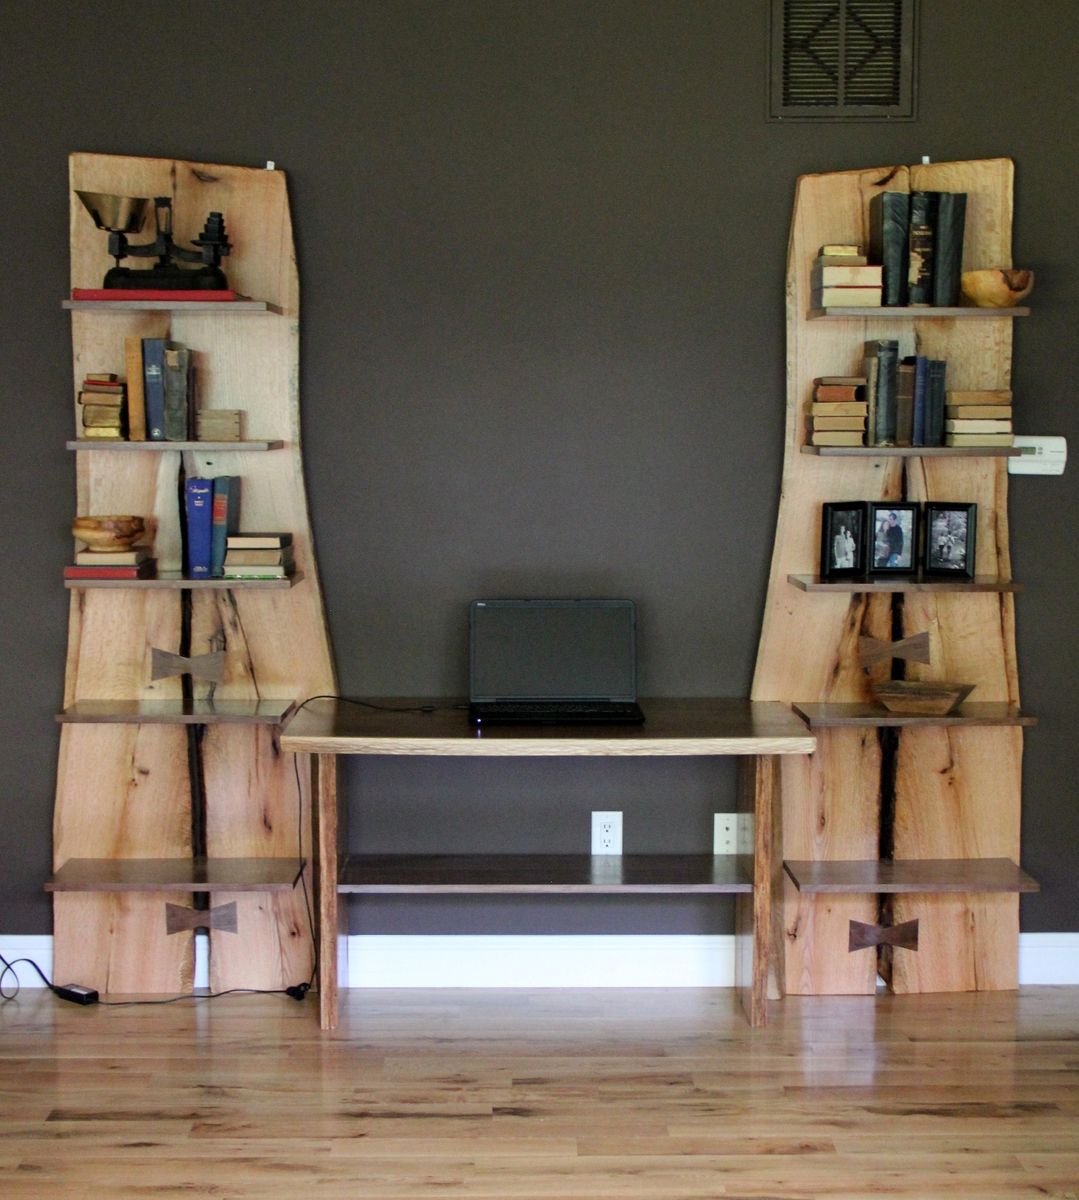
[{"x": 553, "y": 662}]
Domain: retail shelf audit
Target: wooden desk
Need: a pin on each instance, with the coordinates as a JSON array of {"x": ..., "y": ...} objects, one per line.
[{"x": 758, "y": 732}]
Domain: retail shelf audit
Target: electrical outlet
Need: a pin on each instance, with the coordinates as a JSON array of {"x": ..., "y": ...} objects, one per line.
[
  {"x": 606, "y": 833},
  {"x": 725, "y": 833}
]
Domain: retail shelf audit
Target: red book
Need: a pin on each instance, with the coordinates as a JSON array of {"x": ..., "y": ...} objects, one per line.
[
  {"x": 144, "y": 570},
  {"x": 151, "y": 294}
]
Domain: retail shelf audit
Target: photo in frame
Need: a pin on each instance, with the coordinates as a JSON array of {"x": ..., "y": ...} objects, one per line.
[
  {"x": 843, "y": 538},
  {"x": 949, "y": 539},
  {"x": 892, "y": 540}
]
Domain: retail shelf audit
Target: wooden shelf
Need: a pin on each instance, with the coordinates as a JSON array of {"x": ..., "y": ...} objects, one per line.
[
  {"x": 198, "y": 306},
  {"x": 903, "y": 583},
  {"x": 937, "y": 875},
  {"x": 176, "y": 712},
  {"x": 173, "y": 580},
  {"x": 826, "y": 716},
  {"x": 916, "y": 314},
  {"x": 533, "y": 873},
  {"x": 176, "y": 875},
  {"x": 914, "y": 451},
  {"x": 119, "y": 444}
]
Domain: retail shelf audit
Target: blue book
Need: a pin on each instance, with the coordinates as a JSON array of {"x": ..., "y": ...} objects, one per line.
[
  {"x": 226, "y": 519},
  {"x": 921, "y": 392},
  {"x": 198, "y": 527},
  {"x": 153, "y": 382}
]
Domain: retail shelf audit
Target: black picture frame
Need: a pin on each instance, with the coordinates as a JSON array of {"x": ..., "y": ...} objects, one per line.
[
  {"x": 890, "y": 553},
  {"x": 843, "y": 538},
  {"x": 950, "y": 532}
]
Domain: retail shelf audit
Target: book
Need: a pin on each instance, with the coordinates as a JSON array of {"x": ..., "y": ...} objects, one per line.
[
  {"x": 951, "y": 213},
  {"x": 921, "y": 386},
  {"x": 258, "y": 541},
  {"x": 101, "y": 399},
  {"x": 920, "y": 249},
  {"x": 839, "y": 408},
  {"x": 837, "y": 437},
  {"x": 934, "y": 402},
  {"x": 842, "y": 249},
  {"x": 845, "y": 297},
  {"x": 889, "y": 231},
  {"x": 102, "y": 415},
  {"x": 975, "y": 426},
  {"x": 147, "y": 569},
  {"x": 904, "y": 403},
  {"x": 996, "y": 412},
  {"x": 136, "y": 403},
  {"x": 178, "y": 392},
  {"x": 104, "y": 432},
  {"x": 102, "y": 377},
  {"x": 153, "y": 378},
  {"x": 985, "y": 396},
  {"x": 259, "y": 558},
  {"x": 979, "y": 439},
  {"x": 857, "y": 380},
  {"x": 104, "y": 389},
  {"x": 225, "y": 518},
  {"x": 838, "y": 423},
  {"x": 266, "y": 572},
  {"x": 845, "y": 276},
  {"x": 837, "y": 392},
  {"x": 113, "y": 558},
  {"x": 179, "y": 294},
  {"x": 841, "y": 260},
  {"x": 884, "y": 353},
  {"x": 198, "y": 527}
]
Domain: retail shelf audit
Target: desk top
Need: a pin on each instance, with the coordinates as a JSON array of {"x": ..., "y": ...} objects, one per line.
[{"x": 672, "y": 727}]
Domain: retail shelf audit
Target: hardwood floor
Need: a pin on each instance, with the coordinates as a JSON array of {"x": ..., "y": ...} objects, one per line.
[{"x": 523, "y": 1095}]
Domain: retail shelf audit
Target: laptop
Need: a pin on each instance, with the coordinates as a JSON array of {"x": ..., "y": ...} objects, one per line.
[{"x": 553, "y": 662}]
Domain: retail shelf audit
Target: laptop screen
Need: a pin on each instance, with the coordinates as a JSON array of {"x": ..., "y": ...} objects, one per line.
[{"x": 552, "y": 650}]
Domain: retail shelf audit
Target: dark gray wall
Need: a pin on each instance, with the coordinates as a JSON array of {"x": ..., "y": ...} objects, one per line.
[{"x": 541, "y": 250}]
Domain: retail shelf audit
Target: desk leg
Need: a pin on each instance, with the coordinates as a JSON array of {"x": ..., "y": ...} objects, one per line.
[
  {"x": 329, "y": 912},
  {"x": 757, "y": 794}
]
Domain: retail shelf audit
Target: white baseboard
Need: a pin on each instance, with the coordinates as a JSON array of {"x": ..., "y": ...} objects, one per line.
[{"x": 552, "y": 961}]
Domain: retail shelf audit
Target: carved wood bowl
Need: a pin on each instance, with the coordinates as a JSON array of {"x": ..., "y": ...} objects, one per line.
[
  {"x": 921, "y": 698},
  {"x": 996, "y": 287},
  {"x": 108, "y": 532}
]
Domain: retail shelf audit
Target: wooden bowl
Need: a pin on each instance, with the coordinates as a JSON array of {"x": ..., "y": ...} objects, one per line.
[
  {"x": 108, "y": 532},
  {"x": 923, "y": 699},
  {"x": 996, "y": 287}
]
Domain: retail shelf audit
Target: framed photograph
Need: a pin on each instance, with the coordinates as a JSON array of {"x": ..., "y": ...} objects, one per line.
[
  {"x": 843, "y": 538},
  {"x": 949, "y": 539},
  {"x": 893, "y": 538}
]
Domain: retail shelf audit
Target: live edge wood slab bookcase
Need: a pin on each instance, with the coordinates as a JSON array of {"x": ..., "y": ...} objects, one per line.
[
  {"x": 898, "y": 834},
  {"x": 175, "y": 808}
]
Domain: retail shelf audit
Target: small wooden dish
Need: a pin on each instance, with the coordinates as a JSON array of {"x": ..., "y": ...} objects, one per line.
[
  {"x": 996, "y": 287},
  {"x": 108, "y": 532},
  {"x": 918, "y": 698}
]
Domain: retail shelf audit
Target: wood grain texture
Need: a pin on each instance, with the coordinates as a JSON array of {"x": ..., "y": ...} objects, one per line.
[
  {"x": 806, "y": 654},
  {"x": 916, "y": 875},
  {"x": 638, "y": 1094},
  {"x": 273, "y": 636}
]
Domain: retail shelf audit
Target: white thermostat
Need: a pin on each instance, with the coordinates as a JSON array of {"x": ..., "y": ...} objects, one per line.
[{"x": 1041, "y": 456}]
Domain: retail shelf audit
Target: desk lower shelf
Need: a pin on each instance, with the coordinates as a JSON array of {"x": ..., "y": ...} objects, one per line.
[{"x": 551, "y": 873}]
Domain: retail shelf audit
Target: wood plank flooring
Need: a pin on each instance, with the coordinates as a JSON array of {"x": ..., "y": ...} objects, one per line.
[{"x": 531, "y": 1095}]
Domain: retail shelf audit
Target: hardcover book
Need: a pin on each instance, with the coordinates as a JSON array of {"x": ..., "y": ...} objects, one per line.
[
  {"x": 178, "y": 392},
  {"x": 884, "y": 353},
  {"x": 198, "y": 527},
  {"x": 225, "y": 520},
  {"x": 951, "y": 215},
  {"x": 921, "y": 248},
  {"x": 889, "y": 226},
  {"x": 153, "y": 377},
  {"x": 136, "y": 403}
]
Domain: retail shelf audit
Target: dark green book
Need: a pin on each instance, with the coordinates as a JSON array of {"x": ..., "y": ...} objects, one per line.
[
  {"x": 921, "y": 245},
  {"x": 889, "y": 232},
  {"x": 225, "y": 519},
  {"x": 177, "y": 392},
  {"x": 948, "y": 247},
  {"x": 886, "y": 353}
]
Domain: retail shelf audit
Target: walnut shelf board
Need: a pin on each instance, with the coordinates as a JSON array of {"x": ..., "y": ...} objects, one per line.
[
  {"x": 903, "y": 583},
  {"x": 539, "y": 873},
  {"x": 273, "y": 634},
  {"x": 914, "y": 451},
  {"x": 174, "y": 581},
  {"x": 914, "y": 314},
  {"x": 176, "y": 875},
  {"x": 823, "y": 716},
  {"x": 246, "y": 445},
  {"x": 176, "y": 712},
  {"x": 179, "y": 306},
  {"x": 938, "y": 875}
]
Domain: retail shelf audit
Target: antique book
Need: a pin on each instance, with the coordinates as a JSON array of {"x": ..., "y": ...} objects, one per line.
[{"x": 889, "y": 225}]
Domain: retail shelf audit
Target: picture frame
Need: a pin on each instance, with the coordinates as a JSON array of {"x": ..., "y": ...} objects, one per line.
[
  {"x": 843, "y": 538},
  {"x": 950, "y": 531},
  {"x": 892, "y": 533}
]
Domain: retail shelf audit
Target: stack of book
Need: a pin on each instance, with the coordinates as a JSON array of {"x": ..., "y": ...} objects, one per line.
[
  {"x": 982, "y": 418},
  {"x": 843, "y": 278},
  {"x": 259, "y": 556},
  {"x": 219, "y": 425},
  {"x": 917, "y": 237},
  {"x": 135, "y": 563},
  {"x": 839, "y": 411},
  {"x": 103, "y": 403}
]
